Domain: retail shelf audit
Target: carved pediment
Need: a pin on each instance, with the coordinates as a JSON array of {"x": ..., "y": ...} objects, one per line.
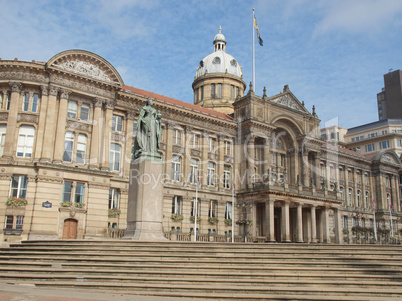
[
  {"x": 289, "y": 101},
  {"x": 387, "y": 158},
  {"x": 86, "y": 64}
]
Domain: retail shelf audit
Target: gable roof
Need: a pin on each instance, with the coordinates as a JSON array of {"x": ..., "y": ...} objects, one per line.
[{"x": 179, "y": 103}]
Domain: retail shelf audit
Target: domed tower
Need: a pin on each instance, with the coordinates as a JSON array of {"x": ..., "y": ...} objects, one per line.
[{"x": 219, "y": 79}]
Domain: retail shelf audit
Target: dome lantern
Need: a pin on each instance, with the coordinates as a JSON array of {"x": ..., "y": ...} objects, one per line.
[{"x": 220, "y": 41}]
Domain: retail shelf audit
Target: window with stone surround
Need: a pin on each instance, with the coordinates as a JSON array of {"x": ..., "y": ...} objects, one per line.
[
  {"x": 228, "y": 148},
  {"x": 117, "y": 123},
  {"x": 25, "y": 141},
  {"x": 176, "y": 168},
  {"x": 19, "y": 185},
  {"x": 228, "y": 210},
  {"x": 72, "y": 109},
  {"x": 211, "y": 174},
  {"x": 195, "y": 140},
  {"x": 81, "y": 149},
  {"x": 213, "y": 208},
  {"x": 177, "y": 204},
  {"x": 25, "y": 103},
  {"x": 227, "y": 171},
  {"x": 114, "y": 157},
  {"x": 177, "y": 137},
  {"x": 84, "y": 112},
  {"x": 3, "y": 131},
  {"x": 194, "y": 175},
  {"x": 73, "y": 192},
  {"x": 193, "y": 208},
  {"x": 114, "y": 198}
]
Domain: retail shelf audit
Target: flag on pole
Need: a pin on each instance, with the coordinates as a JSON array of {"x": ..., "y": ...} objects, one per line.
[{"x": 260, "y": 41}]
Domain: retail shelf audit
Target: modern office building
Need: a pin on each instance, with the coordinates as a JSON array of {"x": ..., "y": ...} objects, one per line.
[
  {"x": 67, "y": 127},
  {"x": 389, "y": 100}
]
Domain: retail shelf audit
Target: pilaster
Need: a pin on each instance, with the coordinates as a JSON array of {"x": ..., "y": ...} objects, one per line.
[{"x": 61, "y": 126}]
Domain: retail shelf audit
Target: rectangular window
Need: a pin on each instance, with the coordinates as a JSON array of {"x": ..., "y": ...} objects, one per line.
[
  {"x": 237, "y": 92},
  {"x": 8, "y": 101},
  {"x": 212, "y": 208},
  {"x": 211, "y": 174},
  {"x": 228, "y": 210},
  {"x": 79, "y": 192},
  {"x": 177, "y": 136},
  {"x": 114, "y": 198},
  {"x": 1, "y": 100},
  {"x": 84, "y": 112},
  {"x": 135, "y": 127},
  {"x": 35, "y": 102},
  {"x": 345, "y": 222},
  {"x": 81, "y": 148},
  {"x": 211, "y": 144},
  {"x": 195, "y": 207},
  {"x": 25, "y": 141},
  {"x": 114, "y": 157},
  {"x": 226, "y": 176},
  {"x": 9, "y": 221},
  {"x": 202, "y": 92},
  {"x": 176, "y": 168},
  {"x": 195, "y": 141},
  {"x": 67, "y": 191},
  {"x": 231, "y": 92},
  {"x": 117, "y": 123},
  {"x": 19, "y": 186},
  {"x": 332, "y": 136},
  {"x": 25, "y": 104},
  {"x": 68, "y": 147},
  {"x": 228, "y": 148},
  {"x": 194, "y": 171},
  {"x": 399, "y": 143},
  {"x": 19, "y": 223},
  {"x": 177, "y": 205},
  {"x": 3, "y": 130},
  {"x": 219, "y": 91},
  {"x": 72, "y": 109},
  {"x": 213, "y": 92}
]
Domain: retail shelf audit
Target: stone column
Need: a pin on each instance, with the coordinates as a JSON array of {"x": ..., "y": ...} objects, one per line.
[
  {"x": 317, "y": 171},
  {"x": 187, "y": 157},
  {"x": 169, "y": 148},
  {"x": 300, "y": 223},
  {"x": 338, "y": 226},
  {"x": 128, "y": 143},
  {"x": 11, "y": 135},
  {"x": 313, "y": 224},
  {"x": 285, "y": 226},
  {"x": 204, "y": 159},
  {"x": 305, "y": 168},
  {"x": 61, "y": 127},
  {"x": 325, "y": 224},
  {"x": 107, "y": 132},
  {"x": 394, "y": 188},
  {"x": 250, "y": 157},
  {"x": 96, "y": 134},
  {"x": 220, "y": 163},
  {"x": 270, "y": 220},
  {"x": 50, "y": 125},
  {"x": 267, "y": 157},
  {"x": 42, "y": 120}
]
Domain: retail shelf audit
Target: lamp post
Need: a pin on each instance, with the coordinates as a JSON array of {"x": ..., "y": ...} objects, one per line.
[{"x": 244, "y": 204}]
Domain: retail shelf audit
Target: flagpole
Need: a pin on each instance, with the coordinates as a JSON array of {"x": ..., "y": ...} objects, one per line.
[
  {"x": 375, "y": 224},
  {"x": 390, "y": 214},
  {"x": 195, "y": 210},
  {"x": 253, "y": 53},
  {"x": 233, "y": 211}
]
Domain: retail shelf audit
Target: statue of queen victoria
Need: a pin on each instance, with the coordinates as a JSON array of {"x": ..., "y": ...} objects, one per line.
[{"x": 147, "y": 139}]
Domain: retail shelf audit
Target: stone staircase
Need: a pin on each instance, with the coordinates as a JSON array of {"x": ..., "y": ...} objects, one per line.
[{"x": 216, "y": 271}]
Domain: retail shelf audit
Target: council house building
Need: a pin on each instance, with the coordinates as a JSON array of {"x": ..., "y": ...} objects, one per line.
[{"x": 67, "y": 128}]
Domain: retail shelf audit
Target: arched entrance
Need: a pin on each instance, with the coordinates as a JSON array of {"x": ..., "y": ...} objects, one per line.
[{"x": 70, "y": 229}]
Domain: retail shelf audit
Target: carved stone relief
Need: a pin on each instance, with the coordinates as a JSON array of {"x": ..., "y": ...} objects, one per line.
[{"x": 287, "y": 101}]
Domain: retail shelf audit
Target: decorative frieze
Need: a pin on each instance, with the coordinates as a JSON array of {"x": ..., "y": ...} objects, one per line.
[
  {"x": 195, "y": 153},
  {"x": 23, "y": 76},
  {"x": 78, "y": 125},
  {"x": 3, "y": 116},
  {"x": 26, "y": 117}
]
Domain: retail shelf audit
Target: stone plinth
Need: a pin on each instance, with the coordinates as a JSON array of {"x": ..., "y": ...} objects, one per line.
[{"x": 145, "y": 200}]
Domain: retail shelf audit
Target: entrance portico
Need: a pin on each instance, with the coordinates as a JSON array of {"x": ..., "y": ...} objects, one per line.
[{"x": 287, "y": 219}]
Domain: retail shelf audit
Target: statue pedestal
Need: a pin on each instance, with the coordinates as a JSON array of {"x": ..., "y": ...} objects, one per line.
[{"x": 145, "y": 200}]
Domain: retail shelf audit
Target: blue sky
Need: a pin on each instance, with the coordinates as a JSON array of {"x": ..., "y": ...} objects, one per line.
[{"x": 332, "y": 54}]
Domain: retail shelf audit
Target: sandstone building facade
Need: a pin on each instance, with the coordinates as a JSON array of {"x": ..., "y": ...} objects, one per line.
[{"x": 67, "y": 128}]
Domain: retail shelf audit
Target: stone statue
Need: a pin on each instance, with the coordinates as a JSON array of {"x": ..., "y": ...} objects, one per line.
[{"x": 147, "y": 140}]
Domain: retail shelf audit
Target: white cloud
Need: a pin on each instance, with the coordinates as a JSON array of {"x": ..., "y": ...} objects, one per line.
[{"x": 358, "y": 16}]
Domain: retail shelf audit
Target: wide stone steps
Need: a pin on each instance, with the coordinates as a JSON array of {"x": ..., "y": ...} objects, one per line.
[{"x": 216, "y": 271}]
